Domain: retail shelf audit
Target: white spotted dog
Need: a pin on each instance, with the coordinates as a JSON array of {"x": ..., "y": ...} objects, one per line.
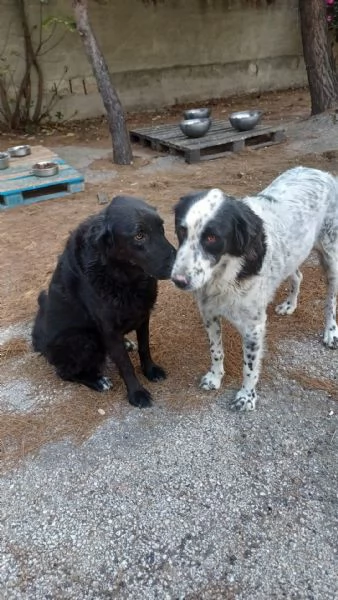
[{"x": 234, "y": 254}]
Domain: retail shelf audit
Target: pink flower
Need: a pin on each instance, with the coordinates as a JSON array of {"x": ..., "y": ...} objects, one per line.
[
  {"x": 329, "y": 18},
  {"x": 329, "y": 2}
]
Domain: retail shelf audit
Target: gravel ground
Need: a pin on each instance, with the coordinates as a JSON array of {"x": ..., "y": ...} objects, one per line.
[{"x": 203, "y": 504}]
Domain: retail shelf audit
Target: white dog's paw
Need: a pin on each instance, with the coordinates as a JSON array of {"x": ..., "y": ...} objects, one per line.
[
  {"x": 245, "y": 400},
  {"x": 286, "y": 308},
  {"x": 104, "y": 384},
  {"x": 210, "y": 381},
  {"x": 129, "y": 345},
  {"x": 331, "y": 337}
]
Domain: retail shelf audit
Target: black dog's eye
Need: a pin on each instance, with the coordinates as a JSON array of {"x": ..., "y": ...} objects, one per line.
[{"x": 140, "y": 236}]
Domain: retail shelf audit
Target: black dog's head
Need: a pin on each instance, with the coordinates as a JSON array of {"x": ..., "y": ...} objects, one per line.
[
  {"x": 131, "y": 231},
  {"x": 213, "y": 228}
]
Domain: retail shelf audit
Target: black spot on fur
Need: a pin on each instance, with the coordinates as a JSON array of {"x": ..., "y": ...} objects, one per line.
[
  {"x": 182, "y": 207},
  {"x": 267, "y": 197}
]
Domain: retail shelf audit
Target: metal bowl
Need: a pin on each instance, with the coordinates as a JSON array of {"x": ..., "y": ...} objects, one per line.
[
  {"x": 19, "y": 151},
  {"x": 4, "y": 160},
  {"x": 45, "y": 169},
  {"x": 195, "y": 128},
  {"x": 245, "y": 119},
  {"x": 197, "y": 113}
]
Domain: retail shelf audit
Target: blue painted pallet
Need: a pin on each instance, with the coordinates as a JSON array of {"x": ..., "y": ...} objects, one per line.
[{"x": 18, "y": 187}]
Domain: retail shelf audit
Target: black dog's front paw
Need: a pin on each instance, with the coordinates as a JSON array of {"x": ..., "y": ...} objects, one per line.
[
  {"x": 154, "y": 373},
  {"x": 141, "y": 398}
]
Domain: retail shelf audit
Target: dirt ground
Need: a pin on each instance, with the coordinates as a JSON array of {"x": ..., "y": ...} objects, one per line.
[{"x": 31, "y": 238}]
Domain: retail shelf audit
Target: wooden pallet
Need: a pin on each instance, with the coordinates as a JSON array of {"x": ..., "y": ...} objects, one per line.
[
  {"x": 219, "y": 141},
  {"x": 19, "y": 187}
]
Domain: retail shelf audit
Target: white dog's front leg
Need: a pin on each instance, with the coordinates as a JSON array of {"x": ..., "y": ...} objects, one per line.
[
  {"x": 253, "y": 341},
  {"x": 213, "y": 379},
  {"x": 331, "y": 327}
]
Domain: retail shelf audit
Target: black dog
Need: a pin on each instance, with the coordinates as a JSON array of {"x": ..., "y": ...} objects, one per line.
[{"x": 104, "y": 286}]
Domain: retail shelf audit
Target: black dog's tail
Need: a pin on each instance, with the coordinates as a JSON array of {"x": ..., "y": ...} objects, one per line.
[{"x": 38, "y": 333}]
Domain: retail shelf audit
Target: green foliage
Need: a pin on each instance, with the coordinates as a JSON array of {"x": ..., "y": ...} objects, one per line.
[
  {"x": 21, "y": 101},
  {"x": 67, "y": 22}
]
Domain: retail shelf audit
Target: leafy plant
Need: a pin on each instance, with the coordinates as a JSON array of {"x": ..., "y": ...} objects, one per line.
[{"x": 21, "y": 102}]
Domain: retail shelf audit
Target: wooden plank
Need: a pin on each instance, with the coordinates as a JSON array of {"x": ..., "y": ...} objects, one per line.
[
  {"x": 25, "y": 164},
  {"x": 219, "y": 141},
  {"x": 218, "y": 135},
  {"x": 39, "y": 194},
  {"x": 218, "y": 149},
  {"x": 19, "y": 187},
  {"x": 171, "y": 134},
  {"x": 16, "y": 174},
  {"x": 65, "y": 175},
  {"x": 171, "y": 130}
]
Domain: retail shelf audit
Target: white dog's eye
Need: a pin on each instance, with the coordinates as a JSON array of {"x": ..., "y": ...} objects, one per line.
[{"x": 211, "y": 239}]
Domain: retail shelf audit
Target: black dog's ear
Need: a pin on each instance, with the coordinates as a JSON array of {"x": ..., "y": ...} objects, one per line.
[{"x": 104, "y": 238}]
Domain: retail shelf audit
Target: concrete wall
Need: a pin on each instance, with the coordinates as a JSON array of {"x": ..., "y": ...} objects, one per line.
[{"x": 178, "y": 50}]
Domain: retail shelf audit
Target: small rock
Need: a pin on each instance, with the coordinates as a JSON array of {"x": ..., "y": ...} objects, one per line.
[
  {"x": 102, "y": 198},
  {"x": 101, "y": 411}
]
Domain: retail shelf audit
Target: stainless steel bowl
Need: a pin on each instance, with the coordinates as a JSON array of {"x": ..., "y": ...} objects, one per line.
[
  {"x": 4, "y": 160},
  {"x": 197, "y": 113},
  {"x": 45, "y": 169},
  {"x": 246, "y": 119},
  {"x": 19, "y": 151},
  {"x": 195, "y": 128}
]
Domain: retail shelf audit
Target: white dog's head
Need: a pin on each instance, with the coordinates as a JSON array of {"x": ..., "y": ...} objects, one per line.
[{"x": 215, "y": 232}]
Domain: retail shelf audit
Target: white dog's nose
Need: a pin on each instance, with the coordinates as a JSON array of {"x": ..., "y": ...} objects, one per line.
[{"x": 181, "y": 281}]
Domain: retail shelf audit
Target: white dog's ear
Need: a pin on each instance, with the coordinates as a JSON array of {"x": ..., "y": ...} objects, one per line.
[
  {"x": 241, "y": 235},
  {"x": 247, "y": 229}
]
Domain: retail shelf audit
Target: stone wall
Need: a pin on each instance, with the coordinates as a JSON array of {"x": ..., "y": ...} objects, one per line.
[{"x": 175, "y": 51}]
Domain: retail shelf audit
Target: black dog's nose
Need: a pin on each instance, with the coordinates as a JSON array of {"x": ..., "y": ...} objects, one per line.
[{"x": 181, "y": 281}]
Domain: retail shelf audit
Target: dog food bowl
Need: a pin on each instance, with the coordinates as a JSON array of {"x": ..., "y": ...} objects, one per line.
[
  {"x": 45, "y": 169},
  {"x": 4, "y": 160},
  {"x": 197, "y": 113},
  {"x": 195, "y": 128},
  {"x": 245, "y": 120},
  {"x": 17, "y": 151}
]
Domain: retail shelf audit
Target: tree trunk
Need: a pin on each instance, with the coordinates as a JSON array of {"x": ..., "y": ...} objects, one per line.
[
  {"x": 318, "y": 56},
  {"x": 122, "y": 154}
]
